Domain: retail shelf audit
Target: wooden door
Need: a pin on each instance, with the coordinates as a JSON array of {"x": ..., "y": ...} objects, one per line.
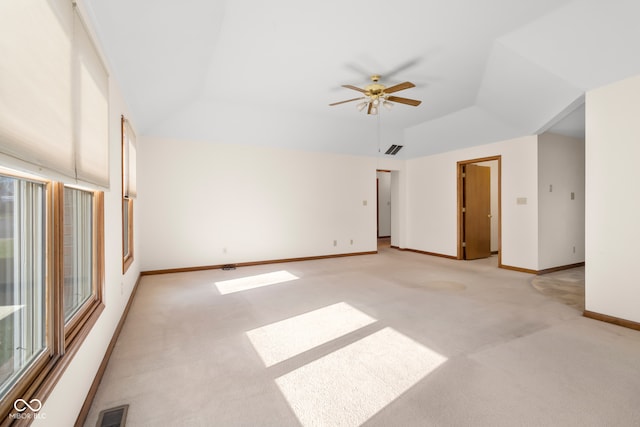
[{"x": 477, "y": 211}]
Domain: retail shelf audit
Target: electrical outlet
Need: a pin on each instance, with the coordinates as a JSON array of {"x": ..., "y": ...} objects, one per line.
[
  {"x": 352, "y": 241},
  {"x": 224, "y": 250},
  {"x": 335, "y": 243},
  {"x": 574, "y": 249},
  {"x": 364, "y": 203}
]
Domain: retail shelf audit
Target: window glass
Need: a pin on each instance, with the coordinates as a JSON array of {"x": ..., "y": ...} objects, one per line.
[
  {"x": 78, "y": 250},
  {"x": 22, "y": 277}
]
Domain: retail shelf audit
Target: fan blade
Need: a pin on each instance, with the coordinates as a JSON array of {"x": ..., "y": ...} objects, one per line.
[
  {"x": 354, "y": 88},
  {"x": 400, "y": 86},
  {"x": 402, "y": 67},
  {"x": 348, "y": 100},
  {"x": 407, "y": 101}
]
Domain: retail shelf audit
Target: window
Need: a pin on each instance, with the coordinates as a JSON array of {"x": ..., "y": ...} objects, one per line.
[
  {"x": 128, "y": 191},
  {"x": 78, "y": 250},
  {"x": 22, "y": 277},
  {"x": 51, "y": 278}
]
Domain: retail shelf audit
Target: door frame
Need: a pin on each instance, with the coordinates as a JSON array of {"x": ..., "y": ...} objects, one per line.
[{"x": 460, "y": 191}]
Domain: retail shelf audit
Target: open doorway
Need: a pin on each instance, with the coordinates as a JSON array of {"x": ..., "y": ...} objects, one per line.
[
  {"x": 479, "y": 208},
  {"x": 383, "y": 207}
]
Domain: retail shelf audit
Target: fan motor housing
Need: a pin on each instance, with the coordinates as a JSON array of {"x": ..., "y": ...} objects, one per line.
[{"x": 375, "y": 89}]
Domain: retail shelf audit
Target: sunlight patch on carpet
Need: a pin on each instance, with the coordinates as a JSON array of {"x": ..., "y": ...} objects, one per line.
[
  {"x": 252, "y": 282},
  {"x": 282, "y": 340},
  {"x": 350, "y": 385}
]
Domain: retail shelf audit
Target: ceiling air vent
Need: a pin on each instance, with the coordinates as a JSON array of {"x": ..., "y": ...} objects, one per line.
[
  {"x": 113, "y": 417},
  {"x": 393, "y": 150}
]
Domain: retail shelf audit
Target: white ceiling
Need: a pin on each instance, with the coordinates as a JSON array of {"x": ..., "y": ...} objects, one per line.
[{"x": 251, "y": 71}]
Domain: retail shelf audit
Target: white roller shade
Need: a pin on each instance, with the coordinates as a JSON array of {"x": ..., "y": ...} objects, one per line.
[
  {"x": 91, "y": 110},
  {"x": 53, "y": 93},
  {"x": 35, "y": 83}
]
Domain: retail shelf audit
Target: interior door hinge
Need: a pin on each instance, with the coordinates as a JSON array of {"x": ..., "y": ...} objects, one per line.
[
  {"x": 464, "y": 210},
  {"x": 464, "y": 244}
]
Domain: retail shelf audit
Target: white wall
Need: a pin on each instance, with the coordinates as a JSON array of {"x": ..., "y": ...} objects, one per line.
[
  {"x": 64, "y": 403},
  {"x": 432, "y": 200},
  {"x": 384, "y": 203},
  {"x": 612, "y": 202},
  {"x": 208, "y": 203},
  {"x": 560, "y": 218}
]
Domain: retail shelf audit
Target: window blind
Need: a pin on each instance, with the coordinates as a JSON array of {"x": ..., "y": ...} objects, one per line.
[
  {"x": 53, "y": 93},
  {"x": 91, "y": 109},
  {"x": 35, "y": 83}
]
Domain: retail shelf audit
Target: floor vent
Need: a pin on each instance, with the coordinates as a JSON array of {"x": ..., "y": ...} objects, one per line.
[
  {"x": 113, "y": 417},
  {"x": 229, "y": 267},
  {"x": 393, "y": 150}
]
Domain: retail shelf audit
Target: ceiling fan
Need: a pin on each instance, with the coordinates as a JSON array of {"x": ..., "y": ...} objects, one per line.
[{"x": 376, "y": 94}]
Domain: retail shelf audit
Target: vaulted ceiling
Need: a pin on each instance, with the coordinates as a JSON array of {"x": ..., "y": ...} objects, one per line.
[{"x": 250, "y": 71}]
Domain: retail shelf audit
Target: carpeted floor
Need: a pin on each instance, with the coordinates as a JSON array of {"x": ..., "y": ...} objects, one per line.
[
  {"x": 393, "y": 339},
  {"x": 566, "y": 286}
]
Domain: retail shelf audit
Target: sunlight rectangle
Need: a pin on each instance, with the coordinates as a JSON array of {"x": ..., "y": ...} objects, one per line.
[
  {"x": 282, "y": 340},
  {"x": 7, "y": 310},
  {"x": 349, "y": 386},
  {"x": 252, "y": 282}
]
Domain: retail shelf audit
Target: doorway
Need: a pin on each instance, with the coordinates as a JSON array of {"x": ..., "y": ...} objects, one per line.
[
  {"x": 383, "y": 207},
  {"x": 479, "y": 208}
]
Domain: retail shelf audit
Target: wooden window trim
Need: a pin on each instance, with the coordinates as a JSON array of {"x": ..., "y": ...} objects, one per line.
[
  {"x": 39, "y": 380},
  {"x": 127, "y": 259},
  {"x": 127, "y": 229},
  {"x": 77, "y": 322}
]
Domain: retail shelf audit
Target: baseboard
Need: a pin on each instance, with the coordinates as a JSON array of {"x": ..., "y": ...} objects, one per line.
[
  {"x": 248, "y": 264},
  {"x": 521, "y": 270},
  {"x": 384, "y": 237},
  {"x": 545, "y": 271},
  {"x": 425, "y": 252},
  {"x": 612, "y": 319},
  {"x": 84, "y": 412},
  {"x": 560, "y": 268}
]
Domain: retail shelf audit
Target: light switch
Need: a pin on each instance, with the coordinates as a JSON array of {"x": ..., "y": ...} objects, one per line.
[
  {"x": 364, "y": 203},
  {"x": 521, "y": 201}
]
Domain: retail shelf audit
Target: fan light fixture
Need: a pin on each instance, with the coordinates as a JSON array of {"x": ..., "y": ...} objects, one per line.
[
  {"x": 376, "y": 94},
  {"x": 375, "y": 105}
]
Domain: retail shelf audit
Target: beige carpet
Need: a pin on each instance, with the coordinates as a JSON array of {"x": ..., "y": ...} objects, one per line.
[
  {"x": 393, "y": 339},
  {"x": 566, "y": 286}
]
